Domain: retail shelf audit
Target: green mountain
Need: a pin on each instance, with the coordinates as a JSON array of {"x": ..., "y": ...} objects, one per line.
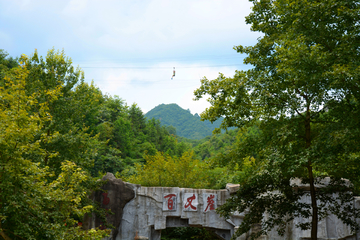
[{"x": 186, "y": 124}]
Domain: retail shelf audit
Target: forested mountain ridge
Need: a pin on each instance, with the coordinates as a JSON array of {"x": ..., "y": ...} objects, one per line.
[
  {"x": 187, "y": 125},
  {"x": 58, "y": 135}
]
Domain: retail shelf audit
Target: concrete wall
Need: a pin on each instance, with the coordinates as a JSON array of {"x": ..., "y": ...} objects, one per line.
[
  {"x": 145, "y": 211},
  {"x": 148, "y": 213}
]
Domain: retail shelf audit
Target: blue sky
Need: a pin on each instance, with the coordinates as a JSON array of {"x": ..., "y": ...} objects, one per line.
[{"x": 129, "y": 48}]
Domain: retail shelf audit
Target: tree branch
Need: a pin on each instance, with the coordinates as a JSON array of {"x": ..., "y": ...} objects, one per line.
[
  {"x": 322, "y": 121},
  {"x": 294, "y": 108},
  {"x": 3, "y": 234}
]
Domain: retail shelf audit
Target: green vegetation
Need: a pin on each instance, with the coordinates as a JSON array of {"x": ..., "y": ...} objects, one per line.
[
  {"x": 186, "y": 125},
  {"x": 42, "y": 195},
  {"x": 59, "y": 135},
  {"x": 164, "y": 170},
  {"x": 183, "y": 233},
  {"x": 295, "y": 114},
  {"x": 303, "y": 93}
]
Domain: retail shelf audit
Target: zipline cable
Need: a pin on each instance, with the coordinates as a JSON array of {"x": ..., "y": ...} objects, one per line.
[{"x": 208, "y": 66}]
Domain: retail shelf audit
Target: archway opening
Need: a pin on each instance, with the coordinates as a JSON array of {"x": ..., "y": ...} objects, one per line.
[
  {"x": 185, "y": 233},
  {"x": 180, "y": 229}
]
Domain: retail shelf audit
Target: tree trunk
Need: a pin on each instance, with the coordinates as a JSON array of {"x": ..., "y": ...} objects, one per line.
[
  {"x": 3, "y": 234},
  {"x": 314, "y": 221}
]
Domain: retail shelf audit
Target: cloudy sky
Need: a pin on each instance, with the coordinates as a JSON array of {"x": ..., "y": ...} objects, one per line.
[{"x": 129, "y": 47}]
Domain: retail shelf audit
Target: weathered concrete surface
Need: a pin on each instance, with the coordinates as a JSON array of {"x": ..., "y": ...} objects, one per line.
[
  {"x": 323, "y": 182},
  {"x": 142, "y": 212},
  {"x": 330, "y": 228},
  {"x": 232, "y": 188},
  {"x": 146, "y": 214}
]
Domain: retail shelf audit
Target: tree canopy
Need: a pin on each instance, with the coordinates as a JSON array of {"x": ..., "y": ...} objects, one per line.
[
  {"x": 58, "y": 135},
  {"x": 297, "y": 110},
  {"x": 303, "y": 90},
  {"x": 35, "y": 203},
  {"x": 184, "y": 123}
]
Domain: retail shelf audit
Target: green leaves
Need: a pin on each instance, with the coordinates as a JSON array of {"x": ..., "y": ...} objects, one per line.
[
  {"x": 301, "y": 92},
  {"x": 35, "y": 203},
  {"x": 228, "y": 97},
  {"x": 164, "y": 170}
]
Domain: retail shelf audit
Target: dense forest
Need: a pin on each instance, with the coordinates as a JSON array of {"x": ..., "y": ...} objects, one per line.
[
  {"x": 290, "y": 121},
  {"x": 64, "y": 133},
  {"x": 302, "y": 91},
  {"x": 186, "y": 125}
]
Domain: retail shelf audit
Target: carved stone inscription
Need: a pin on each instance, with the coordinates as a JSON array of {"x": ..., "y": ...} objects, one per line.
[
  {"x": 169, "y": 201},
  {"x": 210, "y": 202},
  {"x": 190, "y": 202}
]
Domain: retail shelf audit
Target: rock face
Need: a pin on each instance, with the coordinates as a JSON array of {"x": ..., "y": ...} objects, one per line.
[
  {"x": 117, "y": 194},
  {"x": 232, "y": 188}
]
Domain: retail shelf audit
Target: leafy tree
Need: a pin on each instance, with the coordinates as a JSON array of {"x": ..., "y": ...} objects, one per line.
[
  {"x": 185, "y": 233},
  {"x": 137, "y": 119},
  {"x": 302, "y": 88},
  {"x": 108, "y": 120},
  {"x": 35, "y": 203},
  {"x": 89, "y": 102},
  {"x": 66, "y": 134},
  {"x": 185, "y": 171},
  {"x": 123, "y": 136},
  {"x": 162, "y": 140},
  {"x": 167, "y": 171},
  {"x": 113, "y": 108},
  {"x": 215, "y": 145},
  {"x": 6, "y": 63}
]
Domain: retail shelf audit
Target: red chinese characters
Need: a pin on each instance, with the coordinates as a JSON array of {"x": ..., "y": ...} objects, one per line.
[
  {"x": 106, "y": 199},
  {"x": 190, "y": 202},
  {"x": 209, "y": 201},
  {"x": 169, "y": 202}
]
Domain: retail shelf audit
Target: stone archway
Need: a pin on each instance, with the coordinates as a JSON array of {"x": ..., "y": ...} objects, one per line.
[
  {"x": 175, "y": 222},
  {"x": 156, "y": 208},
  {"x": 145, "y": 211}
]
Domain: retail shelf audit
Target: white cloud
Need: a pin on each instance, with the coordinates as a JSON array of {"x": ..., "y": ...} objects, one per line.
[
  {"x": 160, "y": 24},
  {"x": 158, "y": 34},
  {"x": 150, "y": 87}
]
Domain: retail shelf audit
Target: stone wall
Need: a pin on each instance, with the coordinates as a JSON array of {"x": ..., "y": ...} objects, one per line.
[
  {"x": 329, "y": 228},
  {"x": 142, "y": 212},
  {"x": 156, "y": 208}
]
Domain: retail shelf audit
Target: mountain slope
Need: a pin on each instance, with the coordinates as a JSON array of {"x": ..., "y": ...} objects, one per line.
[{"x": 186, "y": 124}]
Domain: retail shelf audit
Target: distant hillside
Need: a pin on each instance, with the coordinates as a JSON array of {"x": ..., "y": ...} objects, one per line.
[{"x": 186, "y": 124}]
